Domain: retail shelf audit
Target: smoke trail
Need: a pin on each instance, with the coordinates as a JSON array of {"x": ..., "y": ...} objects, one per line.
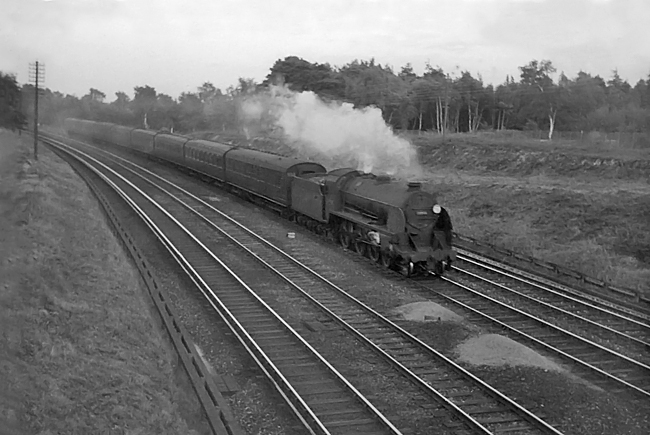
[{"x": 333, "y": 133}]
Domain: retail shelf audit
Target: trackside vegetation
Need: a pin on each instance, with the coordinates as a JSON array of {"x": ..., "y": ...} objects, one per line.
[
  {"x": 79, "y": 351},
  {"x": 541, "y": 100}
]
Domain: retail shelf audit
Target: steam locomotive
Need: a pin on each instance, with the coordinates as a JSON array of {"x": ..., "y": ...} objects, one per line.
[{"x": 391, "y": 222}]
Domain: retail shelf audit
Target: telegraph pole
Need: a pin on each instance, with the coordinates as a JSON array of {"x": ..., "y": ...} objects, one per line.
[{"x": 36, "y": 74}]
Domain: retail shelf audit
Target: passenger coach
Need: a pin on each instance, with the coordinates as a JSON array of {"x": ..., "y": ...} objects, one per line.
[{"x": 266, "y": 175}]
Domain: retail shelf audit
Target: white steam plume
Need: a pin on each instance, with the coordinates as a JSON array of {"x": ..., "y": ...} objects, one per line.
[{"x": 334, "y": 134}]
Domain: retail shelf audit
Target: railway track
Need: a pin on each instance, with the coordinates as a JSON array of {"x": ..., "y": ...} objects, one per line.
[
  {"x": 605, "y": 342},
  {"x": 616, "y": 324},
  {"x": 478, "y": 407},
  {"x": 556, "y": 276},
  {"x": 560, "y": 324},
  {"x": 321, "y": 397},
  {"x": 618, "y": 365}
]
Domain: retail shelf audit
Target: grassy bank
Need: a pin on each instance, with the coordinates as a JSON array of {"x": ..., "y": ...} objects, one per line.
[
  {"x": 79, "y": 350},
  {"x": 578, "y": 207}
]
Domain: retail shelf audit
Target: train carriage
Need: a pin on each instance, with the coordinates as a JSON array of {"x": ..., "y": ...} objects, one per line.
[
  {"x": 266, "y": 175},
  {"x": 102, "y": 132},
  {"x": 207, "y": 157},
  {"x": 120, "y": 135},
  {"x": 170, "y": 147},
  {"x": 142, "y": 140},
  {"x": 79, "y": 128}
]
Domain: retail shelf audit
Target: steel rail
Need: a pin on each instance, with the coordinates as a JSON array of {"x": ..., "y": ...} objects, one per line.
[
  {"x": 395, "y": 362},
  {"x": 227, "y": 315},
  {"x": 636, "y": 317},
  {"x": 551, "y": 306},
  {"x": 547, "y": 346},
  {"x": 217, "y": 410}
]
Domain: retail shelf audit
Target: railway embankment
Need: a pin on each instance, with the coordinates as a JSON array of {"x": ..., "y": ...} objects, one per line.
[
  {"x": 545, "y": 159},
  {"x": 80, "y": 350},
  {"x": 584, "y": 206}
]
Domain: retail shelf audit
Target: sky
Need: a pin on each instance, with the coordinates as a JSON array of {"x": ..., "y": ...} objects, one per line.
[{"x": 175, "y": 46}]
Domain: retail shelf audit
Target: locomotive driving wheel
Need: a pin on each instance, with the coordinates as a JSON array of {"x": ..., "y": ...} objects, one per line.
[
  {"x": 346, "y": 236},
  {"x": 386, "y": 259},
  {"x": 374, "y": 253},
  {"x": 345, "y": 239},
  {"x": 359, "y": 246}
]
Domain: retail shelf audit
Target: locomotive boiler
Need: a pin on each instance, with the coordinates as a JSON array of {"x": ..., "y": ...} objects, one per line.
[{"x": 392, "y": 221}]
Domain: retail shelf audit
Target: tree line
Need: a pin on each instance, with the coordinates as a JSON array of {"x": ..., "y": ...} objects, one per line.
[
  {"x": 434, "y": 101},
  {"x": 11, "y": 115}
]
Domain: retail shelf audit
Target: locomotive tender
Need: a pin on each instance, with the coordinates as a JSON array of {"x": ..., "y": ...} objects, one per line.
[{"x": 390, "y": 221}]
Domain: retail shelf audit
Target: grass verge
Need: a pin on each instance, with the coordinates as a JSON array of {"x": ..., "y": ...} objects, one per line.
[{"x": 79, "y": 350}]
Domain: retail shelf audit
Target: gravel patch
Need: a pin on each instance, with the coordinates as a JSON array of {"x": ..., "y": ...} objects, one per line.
[{"x": 497, "y": 350}]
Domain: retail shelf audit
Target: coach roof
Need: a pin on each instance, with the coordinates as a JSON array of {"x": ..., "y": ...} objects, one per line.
[{"x": 269, "y": 161}]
